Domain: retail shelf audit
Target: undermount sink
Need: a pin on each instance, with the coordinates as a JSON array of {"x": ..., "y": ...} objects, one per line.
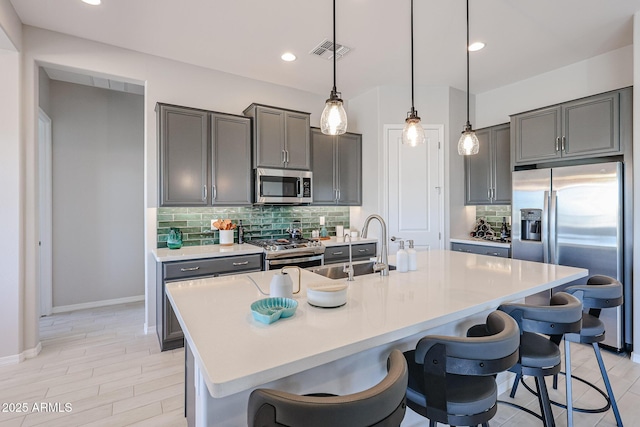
[{"x": 337, "y": 271}]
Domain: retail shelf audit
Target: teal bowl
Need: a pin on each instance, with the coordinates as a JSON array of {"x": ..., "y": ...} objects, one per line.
[{"x": 268, "y": 310}]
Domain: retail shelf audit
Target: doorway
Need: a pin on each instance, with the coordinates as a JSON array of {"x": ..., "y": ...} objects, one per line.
[
  {"x": 413, "y": 187},
  {"x": 45, "y": 200}
]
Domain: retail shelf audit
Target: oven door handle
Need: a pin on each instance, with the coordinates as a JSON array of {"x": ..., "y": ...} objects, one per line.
[{"x": 291, "y": 261}]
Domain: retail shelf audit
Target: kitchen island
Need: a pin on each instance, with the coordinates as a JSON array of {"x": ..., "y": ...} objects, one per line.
[{"x": 338, "y": 350}]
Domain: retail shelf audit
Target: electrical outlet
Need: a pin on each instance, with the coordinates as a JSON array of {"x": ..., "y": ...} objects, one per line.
[{"x": 212, "y": 226}]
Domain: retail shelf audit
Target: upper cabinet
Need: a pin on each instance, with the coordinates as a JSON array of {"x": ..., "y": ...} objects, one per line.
[
  {"x": 587, "y": 127},
  {"x": 205, "y": 157},
  {"x": 337, "y": 168},
  {"x": 488, "y": 173},
  {"x": 282, "y": 138}
]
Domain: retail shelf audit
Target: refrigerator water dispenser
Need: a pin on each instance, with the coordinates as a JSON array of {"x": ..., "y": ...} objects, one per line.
[{"x": 531, "y": 220}]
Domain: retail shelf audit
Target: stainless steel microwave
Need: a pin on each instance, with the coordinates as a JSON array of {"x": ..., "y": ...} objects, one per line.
[{"x": 283, "y": 186}]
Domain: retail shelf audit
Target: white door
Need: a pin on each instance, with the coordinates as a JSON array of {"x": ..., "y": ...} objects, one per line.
[
  {"x": 414, "y": 188},
  {"x": 45, "y": 201}
]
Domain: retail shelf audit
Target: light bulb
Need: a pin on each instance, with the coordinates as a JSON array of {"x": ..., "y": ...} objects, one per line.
[
  {"x": 334, "y": 119},
  {"x": 413, "y": 132},
  {"x": 468, "y": 143}
]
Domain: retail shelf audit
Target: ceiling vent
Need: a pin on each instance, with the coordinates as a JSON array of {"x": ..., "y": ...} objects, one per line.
[{"x": 325, "y": 50}]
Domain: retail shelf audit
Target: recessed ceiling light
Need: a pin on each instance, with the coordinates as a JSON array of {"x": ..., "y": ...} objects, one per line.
[
  {"x": 92, "y": 2},
  {"x": 475, "y": 46},
  {"x": 288, "y": 56}
]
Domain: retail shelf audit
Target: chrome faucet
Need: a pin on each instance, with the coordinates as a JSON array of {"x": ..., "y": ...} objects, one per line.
[
  {"x": 382, "y": 264},
  {"x": 349, "y": 268}
]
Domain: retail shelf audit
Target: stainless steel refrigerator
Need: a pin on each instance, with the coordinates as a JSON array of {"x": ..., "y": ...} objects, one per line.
[{"x": 573, "y": 215}]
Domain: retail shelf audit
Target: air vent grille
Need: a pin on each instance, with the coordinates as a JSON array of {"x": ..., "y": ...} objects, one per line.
[{"x": 325, "y": 50}]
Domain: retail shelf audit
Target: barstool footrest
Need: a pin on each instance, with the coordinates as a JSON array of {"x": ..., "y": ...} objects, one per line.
[
  {"x": 583, "y": 410},
  {"x": 522, "y": 408}
]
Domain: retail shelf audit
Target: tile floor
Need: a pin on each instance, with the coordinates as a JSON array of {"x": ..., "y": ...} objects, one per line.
[{"x": 99, "y": 363}]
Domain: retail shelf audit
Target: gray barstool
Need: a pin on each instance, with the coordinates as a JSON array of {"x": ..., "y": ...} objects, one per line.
[
  {"x": 539, "y": 355},
  {"x": 382, "y": 405},
  {"x": 451, "y": 379},
  {"x": 599, "y": 292}
]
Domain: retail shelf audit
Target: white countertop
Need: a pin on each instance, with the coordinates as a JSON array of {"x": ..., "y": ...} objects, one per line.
[
  {"x": 204, "y": 251},
  {"x": 213, "y": 251},
  {"x": 236, "y": 353},
  {"x": 480, "y": 242}
]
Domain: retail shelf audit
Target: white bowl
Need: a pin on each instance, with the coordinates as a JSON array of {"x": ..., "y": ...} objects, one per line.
[{"x": 327, "y": 295}]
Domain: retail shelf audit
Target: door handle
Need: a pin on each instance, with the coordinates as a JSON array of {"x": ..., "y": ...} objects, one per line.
[
  {"x": 287, "y": 155},
  {"x": 564, "y": 144},
  {"x": 557, "y": 144},
  {"x": 204, "y": 193},
  {"x": 215, "y": 192},
  {"x": 284, "y": 156}
]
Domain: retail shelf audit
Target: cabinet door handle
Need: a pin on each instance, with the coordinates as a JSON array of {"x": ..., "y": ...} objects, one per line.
[
  {"x": 557, "y": 144},
  {"x": 204, "y": 193},
  {"x": 215, "y": 193},
  {"x": 190, "y": 269},
  {"x": 284, "y": 156},
  {"x": 338, "y": 199},
  {"x": 337, "y": 253},
  {"x": 564, "y": 144},
  {"x": 240, "y": 263},
  {"x": 489, "y": 193},
  {"x": 287, "y": 155}
]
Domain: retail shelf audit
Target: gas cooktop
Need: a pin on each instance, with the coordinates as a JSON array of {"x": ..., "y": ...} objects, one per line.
[{"x": 288, "y": 245}]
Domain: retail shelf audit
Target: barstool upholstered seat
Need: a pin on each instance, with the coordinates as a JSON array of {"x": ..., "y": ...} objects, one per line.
[
  {"x": 451, "y": 379},
  {"x": 382, "y": 405}
]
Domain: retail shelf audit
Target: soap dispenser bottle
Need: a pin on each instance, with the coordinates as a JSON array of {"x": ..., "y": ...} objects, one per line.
[
  {"x": 413, "y": 257},
  {"x": 323, "y": 230},
  {"x": 402, "y": 259}
]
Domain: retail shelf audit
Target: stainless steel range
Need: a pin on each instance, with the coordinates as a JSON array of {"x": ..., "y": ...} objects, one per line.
[{"x": 299, "y": 252}]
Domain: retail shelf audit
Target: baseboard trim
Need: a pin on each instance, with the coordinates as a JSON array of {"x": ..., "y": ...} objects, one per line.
[
  {"x": 95, "y": 304},
  {"x": 149, "y": 329},
  {"x": 17, "y": 358},
  {"x": 635, "y": 357}
]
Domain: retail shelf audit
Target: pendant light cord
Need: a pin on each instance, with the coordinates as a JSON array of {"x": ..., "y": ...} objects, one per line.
[
  {"x": 334, "y": 47},
  {"x": 412, "y": 104},
  {"x": 468, "y": 123}
]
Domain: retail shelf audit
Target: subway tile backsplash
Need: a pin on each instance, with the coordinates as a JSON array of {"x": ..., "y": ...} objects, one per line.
[
  {"x": 259, "y": 221},
  {"x": 493, "y": 214}
]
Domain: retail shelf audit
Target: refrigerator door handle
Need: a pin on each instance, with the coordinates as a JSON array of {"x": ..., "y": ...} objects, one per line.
[
  {"x": 553, "y": 234},
  {"x": 545, "y": 228}
]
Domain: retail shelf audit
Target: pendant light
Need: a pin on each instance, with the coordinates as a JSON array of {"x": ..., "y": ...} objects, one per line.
[
  {"x": 468, "y": 143},
  {"x": 334, "y": 119},
  {"x": 412, "y": 133}
]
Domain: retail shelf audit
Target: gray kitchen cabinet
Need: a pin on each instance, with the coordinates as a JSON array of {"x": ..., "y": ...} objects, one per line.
[
  {"x": 205, "y": 158},
  {"x": 183, "y": 134},
  {"x": 481, "y": 249},
  {"x": 231, "y": 172},
  {"x": 587, "y": 127},
  {"x": 168, "y": 329},
  {"x": 340, "y": 253},
  {"x": 337, "y": 168},
  {"x": 282, "y": 138},
  {"x": 488, "y": 173}
]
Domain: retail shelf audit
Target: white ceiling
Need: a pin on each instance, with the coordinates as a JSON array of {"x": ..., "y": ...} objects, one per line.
[{"x": 246, "y": 37}]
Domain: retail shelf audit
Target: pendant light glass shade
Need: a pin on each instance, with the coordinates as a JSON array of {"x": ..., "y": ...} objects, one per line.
[
  {"x": 413, "y": 132},
  {"x": 334, "y": 118},
  {"x": 468, "y": 143}
]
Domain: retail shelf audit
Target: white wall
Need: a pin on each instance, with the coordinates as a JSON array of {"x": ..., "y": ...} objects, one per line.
[
  {"x": 636, "y": 188},
  {"x": 44, "y": 83},
  {"x": 609, "y": 71},
  {"x": 98, "y": 183},
  {"x": 11, "y": 245},
  {"x": 10, "y": 27},
  {"x": 165, "y": 81}
]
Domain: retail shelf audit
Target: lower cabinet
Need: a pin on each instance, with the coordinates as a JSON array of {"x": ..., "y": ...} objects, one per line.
[
  {"x": 169, "y": 332},
  {"x": 481, "y": 249},
  {"x": 340, "y": 253}
]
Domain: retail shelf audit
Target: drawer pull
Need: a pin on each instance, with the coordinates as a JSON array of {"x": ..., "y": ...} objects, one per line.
[
  {"x": 190, "y": 269},
  {"x": 240, "y": 263},
  {"x": 363, "y": 250},
  {"x": 337, "y": 253},
  {"x": 493, "y": 253}
]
